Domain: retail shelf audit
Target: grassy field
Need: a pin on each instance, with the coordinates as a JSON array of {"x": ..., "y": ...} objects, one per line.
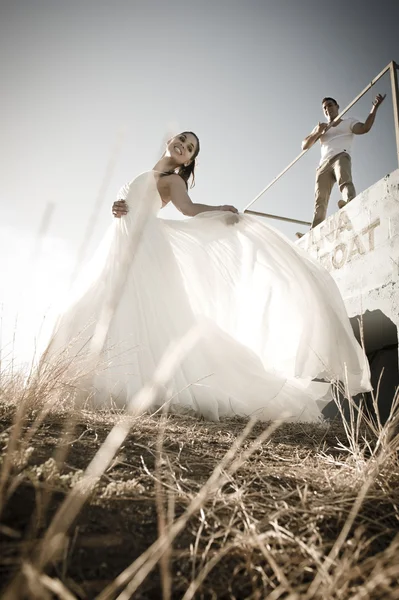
[{"x": 176, "y": 507}]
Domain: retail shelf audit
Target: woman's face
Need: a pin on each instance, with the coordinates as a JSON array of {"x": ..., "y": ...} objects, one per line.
[{"x": 182, "y": 148}]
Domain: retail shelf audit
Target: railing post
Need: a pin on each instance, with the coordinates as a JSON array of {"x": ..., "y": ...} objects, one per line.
[{"x": 395, "y": 101}]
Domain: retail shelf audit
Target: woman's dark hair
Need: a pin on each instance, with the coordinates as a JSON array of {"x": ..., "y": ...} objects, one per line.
[{"x": 187, "y": 172}]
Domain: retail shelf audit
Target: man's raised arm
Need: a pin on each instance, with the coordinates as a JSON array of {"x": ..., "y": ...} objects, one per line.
[{"x": 360, "y": 128}]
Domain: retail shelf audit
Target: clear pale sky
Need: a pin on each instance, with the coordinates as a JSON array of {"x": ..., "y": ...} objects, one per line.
[{"x": 247, "y": 76}]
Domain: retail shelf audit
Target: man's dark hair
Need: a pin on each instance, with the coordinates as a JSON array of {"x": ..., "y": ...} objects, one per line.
[{"x": 327, "y": 99}]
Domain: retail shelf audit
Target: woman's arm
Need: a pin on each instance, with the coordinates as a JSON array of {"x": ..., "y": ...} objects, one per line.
[{"x": 172, "y": 188}]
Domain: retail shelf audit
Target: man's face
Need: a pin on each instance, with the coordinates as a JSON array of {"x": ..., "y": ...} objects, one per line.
[{"x": 330, "y": 109}]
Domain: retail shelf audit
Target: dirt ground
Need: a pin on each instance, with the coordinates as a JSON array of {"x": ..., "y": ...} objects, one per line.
[{"x": 290, "y": 499}]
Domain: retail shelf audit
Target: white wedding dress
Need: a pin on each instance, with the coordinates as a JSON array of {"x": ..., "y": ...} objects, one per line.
[{"x": 273, "y": 318}]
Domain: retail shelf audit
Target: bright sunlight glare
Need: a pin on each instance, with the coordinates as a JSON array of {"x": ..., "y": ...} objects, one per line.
[{"x": 34, "y": 277}]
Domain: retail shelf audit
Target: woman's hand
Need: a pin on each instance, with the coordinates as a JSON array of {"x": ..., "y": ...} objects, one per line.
[
  {"x": 119, "y": 209},
  {"x": 227, "y": 207},
  {"x": 232, "y": 216}
]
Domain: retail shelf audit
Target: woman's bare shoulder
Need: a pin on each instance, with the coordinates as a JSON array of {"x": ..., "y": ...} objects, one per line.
[{"x": 167, "y": 183}]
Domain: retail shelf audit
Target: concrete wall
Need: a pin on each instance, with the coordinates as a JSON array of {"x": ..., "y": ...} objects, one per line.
[{"x": 359, "y": 246}]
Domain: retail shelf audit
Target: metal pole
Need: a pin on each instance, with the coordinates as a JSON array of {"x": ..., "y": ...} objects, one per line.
[
  {"x": 366, "y": 89},
  {"x": 395, "y": 102},
  {"x": 260, "y": 214}
]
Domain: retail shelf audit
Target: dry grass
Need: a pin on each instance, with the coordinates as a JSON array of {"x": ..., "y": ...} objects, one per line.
[{"x": 109, "y": 505}]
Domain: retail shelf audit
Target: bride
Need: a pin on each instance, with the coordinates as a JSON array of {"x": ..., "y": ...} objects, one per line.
[{"x": 274, "y": 318}]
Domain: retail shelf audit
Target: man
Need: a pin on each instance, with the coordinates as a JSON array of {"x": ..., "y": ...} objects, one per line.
[{"x": 336, "y": 139}]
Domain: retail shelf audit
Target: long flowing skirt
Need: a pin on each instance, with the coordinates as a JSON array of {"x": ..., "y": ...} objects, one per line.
[{"x": 272, "y": 318}]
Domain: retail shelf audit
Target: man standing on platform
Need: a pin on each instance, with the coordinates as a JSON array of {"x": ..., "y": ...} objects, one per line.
[{"x": 336, "y": 139}]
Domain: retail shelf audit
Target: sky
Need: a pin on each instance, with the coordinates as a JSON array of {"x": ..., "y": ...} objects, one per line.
[{"x": 91, "y": 89}]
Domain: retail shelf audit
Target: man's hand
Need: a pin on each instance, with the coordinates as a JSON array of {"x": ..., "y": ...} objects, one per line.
[
  {"x": 119, "y": 209},
  {"x": 360, "y": 128},
  {"x": 315, "y": 135},
  {"x": 379, "y": 99},
  {"x": 321, "y": 128}
]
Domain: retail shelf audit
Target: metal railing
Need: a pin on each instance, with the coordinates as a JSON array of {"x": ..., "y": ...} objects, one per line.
[{"x": 392, "y": 67}]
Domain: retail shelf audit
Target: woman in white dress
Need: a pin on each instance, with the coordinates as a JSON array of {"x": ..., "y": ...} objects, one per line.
[{"x": 273, "y": 319}]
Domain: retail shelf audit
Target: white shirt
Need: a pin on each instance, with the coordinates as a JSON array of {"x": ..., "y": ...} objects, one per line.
[{"x": 337, "y": 139}]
